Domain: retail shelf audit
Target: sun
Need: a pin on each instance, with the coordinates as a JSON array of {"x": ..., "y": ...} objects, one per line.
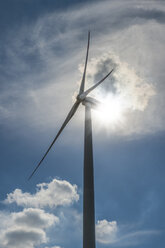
[{"x": 111, "y": 110}]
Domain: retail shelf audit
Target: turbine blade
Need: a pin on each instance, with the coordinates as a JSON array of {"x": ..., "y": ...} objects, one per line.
[
  {"x": 69, "y": 116},
  {"x": 85, "y": 67},
  {"x": 94, "y": 86}
]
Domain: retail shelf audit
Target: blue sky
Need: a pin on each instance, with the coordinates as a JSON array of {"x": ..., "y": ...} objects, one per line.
[{"x": 42, "y": 50}]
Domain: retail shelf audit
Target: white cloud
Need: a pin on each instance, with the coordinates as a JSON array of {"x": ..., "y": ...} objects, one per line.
[
  {"x": 106, "y": 232},
  {"x": 32, "y": 217},
  {"x": 29, "y": 238},
  {"x": 53, "y": 194},
  {"x": 26, "y": 228},
  {"x": 33, "y": 226}
]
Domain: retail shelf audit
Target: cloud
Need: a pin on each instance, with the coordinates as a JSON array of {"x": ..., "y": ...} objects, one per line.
[
  {"x": 53, "y": 247},
  {"x": 41, "y": 73},
  {"x": 123, "y": 94},
  {"x": 136, "y": 237},
  {"x": 33, "y": 226},
  {"x": 149, "y": 14},
  {"x": 16, "y": 237},
  {"x": 106, "y": 232},
  {"x": 25, "y": 228},
  {"x": 53, "y": 194},
  {"x": 34, "y": 218},
  {"x": 122, "y": 235}
]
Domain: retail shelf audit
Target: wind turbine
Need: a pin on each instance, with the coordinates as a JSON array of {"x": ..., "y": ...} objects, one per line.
[{"x": 88, "y": 188}]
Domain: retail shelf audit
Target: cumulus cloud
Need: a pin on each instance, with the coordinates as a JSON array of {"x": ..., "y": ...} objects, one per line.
[
  {"x": 33, "y": 226},
  {"x": 31, "y": 217},
  {"x": 106, "y": 232},
  {"x": 25, "y": 228},
  {"x": 15, "y": 237},
  {"x": 53, "y": 194}
]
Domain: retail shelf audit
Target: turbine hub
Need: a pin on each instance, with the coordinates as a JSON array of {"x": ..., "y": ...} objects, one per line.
[{"x": 81, "y": 97}]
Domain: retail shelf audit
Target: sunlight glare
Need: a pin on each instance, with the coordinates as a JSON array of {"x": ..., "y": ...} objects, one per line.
[{"x": 111, "y": 110}]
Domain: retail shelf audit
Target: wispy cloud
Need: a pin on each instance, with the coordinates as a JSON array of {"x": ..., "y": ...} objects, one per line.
[
  {"x": 41, "y": 73},
  {"x": 53, "y": 247},
  {"x": 109, "y": 232}
]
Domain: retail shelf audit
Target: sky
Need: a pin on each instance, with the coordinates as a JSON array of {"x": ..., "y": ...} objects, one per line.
[{"x": 42, "y": 51}]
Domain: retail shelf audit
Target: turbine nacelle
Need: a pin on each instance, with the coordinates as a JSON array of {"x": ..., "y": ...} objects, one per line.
[{"x": 91, "y": 102}]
